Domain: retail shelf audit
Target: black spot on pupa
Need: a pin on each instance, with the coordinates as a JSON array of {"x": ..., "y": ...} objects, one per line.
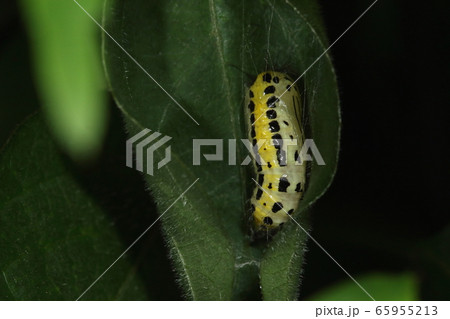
[
  {"x": 267, "y": 77},
  {"x": 251, "y": 94},
  {"x": 274, "y": 126},
  {"x": 298, "y": 188},
  {"x": 292, "y": 138},
  {"x": 290, "y": 211},
  {"x": 260, "y": 179},
  {"x": 271, "y": 114},
  {"x": 270, "y": 186},
  {"x": 251, "y": 106},
  {"x": 286, "y": 123},
  {"x": 253, "y": 133},
  {"x": 271, "y": 101},
  {"x": 277, "y": 207},
  {"x": 264, "y": 204},
  {"x": 257, "y": 159},
  {"x": 281, "y": 157},
  {"x": 252, "y": 118},
  {"x": 269, "y": 165},
  {"x": 259, "y": 194},
  {"x": 267, "y": 221},
  {"x": 277, "y": 141},
  {"x": 276, "y": 79},
  {"x": 296, "y": 156},
  {"x": 283, "y": 185},
  {"x": 278, "y": 144},
  {"x": 288, "y": 87},
  {"x": 270, "y": 89}
]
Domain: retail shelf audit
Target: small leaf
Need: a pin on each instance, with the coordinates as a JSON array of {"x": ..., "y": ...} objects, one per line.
[
  {"x": 281, "y": 265},
  {"x": 381, "y": 286},
  {"x": 68, "y": 74}
]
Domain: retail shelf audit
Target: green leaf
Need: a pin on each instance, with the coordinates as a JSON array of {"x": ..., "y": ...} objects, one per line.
[
  {"x": 61, "y": 227},
  {"x": 281, "y": 265},
  {"x": 68, "y": 73},
  {"x": 205, "y": 54},
  {"x": 382, "y": 287},
  {"x": 433, "y": 260}
]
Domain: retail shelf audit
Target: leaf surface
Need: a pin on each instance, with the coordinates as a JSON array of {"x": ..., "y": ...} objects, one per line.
[{"x": 205, "y": 54}]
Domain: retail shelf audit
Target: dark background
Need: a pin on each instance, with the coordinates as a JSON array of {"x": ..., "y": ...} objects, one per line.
[
  {"x": 390, "y": 193},
  {"x": 389, "y": 198}
]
